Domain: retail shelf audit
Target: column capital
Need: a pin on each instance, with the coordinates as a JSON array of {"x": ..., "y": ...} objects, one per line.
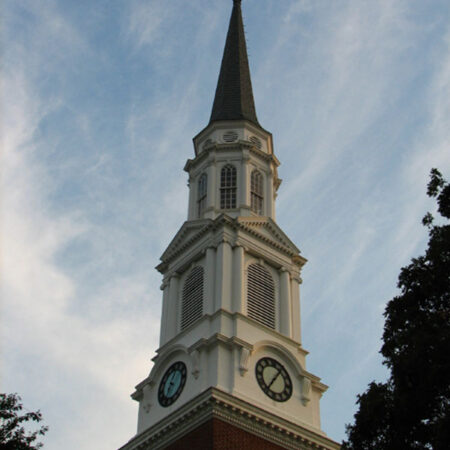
[
  {"x": 226, "y": 240},
  {"x": 245, "y": 155}
]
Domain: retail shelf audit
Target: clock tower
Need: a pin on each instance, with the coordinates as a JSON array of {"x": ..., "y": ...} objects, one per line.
[{"x": 230, "y": 371}]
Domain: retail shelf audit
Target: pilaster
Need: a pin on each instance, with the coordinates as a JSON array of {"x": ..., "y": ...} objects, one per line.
[
  {"x": 211, "y": 188},
  {"x": 295, "y": 312},
  {"x": 173, "y": 309},
  {"x": 238, "y": 282},
  {"x": 210, "y": 276},
  {"x": 223, "y": 276},
  {"x": 192, "y": 213},
  {"x": 164, "y": 314},
  {"x": 270, "y": 199},
  {"x": 285, "y": 303},
  {"x": 245, "y": 190}
]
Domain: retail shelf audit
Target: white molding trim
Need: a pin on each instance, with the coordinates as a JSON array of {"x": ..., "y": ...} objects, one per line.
[{"x": 214, "y": 403}]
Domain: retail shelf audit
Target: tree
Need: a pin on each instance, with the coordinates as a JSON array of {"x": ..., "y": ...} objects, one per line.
[
  {"x": 411, "y": 410},
  {"x": 13, "y": 435}
]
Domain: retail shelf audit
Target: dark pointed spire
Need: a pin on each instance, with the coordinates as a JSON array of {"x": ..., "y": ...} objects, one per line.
[{"x": 234, "y": 94}]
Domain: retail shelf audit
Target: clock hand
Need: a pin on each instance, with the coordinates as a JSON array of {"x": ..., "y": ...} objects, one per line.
[
  {"x": 169, "y": 384},
  {"x": 273, "y": 379}
]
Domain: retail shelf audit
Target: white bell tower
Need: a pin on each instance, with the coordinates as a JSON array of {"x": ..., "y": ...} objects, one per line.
[{"x": 230, "y": 366}]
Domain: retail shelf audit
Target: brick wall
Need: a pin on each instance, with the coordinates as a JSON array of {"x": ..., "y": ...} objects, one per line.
[{"x": 218, "y": 435}]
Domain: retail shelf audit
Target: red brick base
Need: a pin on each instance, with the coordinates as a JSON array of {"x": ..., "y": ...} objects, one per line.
[{"x": 218, "y": 435}]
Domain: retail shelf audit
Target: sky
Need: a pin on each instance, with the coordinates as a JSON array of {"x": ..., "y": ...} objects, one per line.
[{"x": 100, "y": 102}]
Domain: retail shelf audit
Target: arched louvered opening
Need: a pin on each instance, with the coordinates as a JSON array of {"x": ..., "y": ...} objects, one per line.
[
  {"x": 192, "y": 301},
  {"x": 260, "y": 295},
  {"x": 228, "y": 187},
  {"x": 257, "y": 192},
  {"x": 201, "y": 193}
]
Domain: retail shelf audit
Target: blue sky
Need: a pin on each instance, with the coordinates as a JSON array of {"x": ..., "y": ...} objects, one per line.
[{"x": 100, "y": 102}]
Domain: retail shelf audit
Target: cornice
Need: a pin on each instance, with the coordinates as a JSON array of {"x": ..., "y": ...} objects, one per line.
[
  {"x": 247, "y": 224},
  {"x": 174, "y": 248},
  {"x": 226, "y": 124},
  {"x": 215, "y": 337},
  {"x": 233, "y": 146},
  {"x": 214, "y": 403}
]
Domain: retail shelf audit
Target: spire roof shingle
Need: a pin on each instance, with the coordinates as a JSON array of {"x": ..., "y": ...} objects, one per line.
[{"x": 234, "y": 94}]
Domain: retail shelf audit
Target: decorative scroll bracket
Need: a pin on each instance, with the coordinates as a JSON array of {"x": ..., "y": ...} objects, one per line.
[
  {"x": 195, "y": 355},
  {"x": 243, "y": 360},
  {"x": 306, "y": 391}
]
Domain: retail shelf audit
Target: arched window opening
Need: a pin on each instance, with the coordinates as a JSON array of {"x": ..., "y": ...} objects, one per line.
[
  {"x": 256, "y": 192},
  {"x": 228, "y": 187},
  {"x": 192, "y": 300},
  {"x": 201, "y": 193},
  {"x": 261, "y": 295}
]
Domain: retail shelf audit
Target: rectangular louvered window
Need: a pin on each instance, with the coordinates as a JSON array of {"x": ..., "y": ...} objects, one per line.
[
  {"x": 192, "y": 299},
  {"x": 260, "y": 295}
]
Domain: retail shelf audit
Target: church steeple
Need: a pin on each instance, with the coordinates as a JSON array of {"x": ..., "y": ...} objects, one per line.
[
  {"x": 230, "y": 371},
  {"x": 234, "y": 94}
]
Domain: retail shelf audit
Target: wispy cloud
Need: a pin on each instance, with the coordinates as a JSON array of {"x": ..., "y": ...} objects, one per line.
[
  {"x": 68, "y": 347},
  {"x": 102, "y": 103},
  {"x": 145, "y": 21}
]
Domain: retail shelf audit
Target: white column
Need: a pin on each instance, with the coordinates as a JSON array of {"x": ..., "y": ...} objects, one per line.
[
  {"x": 226, "y": 286},
  {"x": 192, "y": 212},
  {"x": 243, "y": 188},
  {"x": 223, "y": 277},
  {"x": 238, "y": 279},
  {"x": 212, "y": 188},
  {"x": 285, "y": 303},
  {"x": 295, "y": 314},
  {"x": 173, "y": 309},
  {"x": 164, "y": 313},
  {"x": 270, "y": 200},
  {"x": 208, "y": 301}
]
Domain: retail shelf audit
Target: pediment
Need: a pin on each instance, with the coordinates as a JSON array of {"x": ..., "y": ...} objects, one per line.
[
  {"x": 266, "y": 228},
  {"x": 188, "y": 232},
  {"x": 260, "y": 228}
]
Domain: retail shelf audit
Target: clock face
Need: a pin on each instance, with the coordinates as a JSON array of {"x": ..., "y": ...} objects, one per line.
[
  {"x": 273, "y": 379},
  {"x": 172, "y": 384}
]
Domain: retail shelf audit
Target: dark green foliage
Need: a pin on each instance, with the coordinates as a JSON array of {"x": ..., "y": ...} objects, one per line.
[
  {"x": 412, "y": 409},
  {"x": 13, "y": 435}
]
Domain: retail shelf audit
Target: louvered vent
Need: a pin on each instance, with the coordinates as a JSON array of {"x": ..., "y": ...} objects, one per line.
[
  {"x": 208, "y": 143},
  {"x": 192, "y": 302},
  {"x": 256, "y": 142},
  {"x": 261, "y": 295},
  {"x": 230, "y": 136}
]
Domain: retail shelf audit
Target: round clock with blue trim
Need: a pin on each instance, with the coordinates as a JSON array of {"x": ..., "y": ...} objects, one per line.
[{"x": 172, "y": 384}]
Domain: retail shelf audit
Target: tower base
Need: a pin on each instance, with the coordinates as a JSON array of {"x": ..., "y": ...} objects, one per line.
[{"x": 216, "y": 420}]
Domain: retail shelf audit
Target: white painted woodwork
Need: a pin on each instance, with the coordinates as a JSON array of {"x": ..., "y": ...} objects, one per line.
[
  {"x": 222, "y": 348},
  {"x": 244, "y": 156},
  {"x": 295, "y": 314},
  {"x": 285, "y": 303},
  {"x": 238, "y": 281},
  {"x": 164, "y": 314},
  {"x": 210, "y": 276},
  {"x": 173, "y": 308}
]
